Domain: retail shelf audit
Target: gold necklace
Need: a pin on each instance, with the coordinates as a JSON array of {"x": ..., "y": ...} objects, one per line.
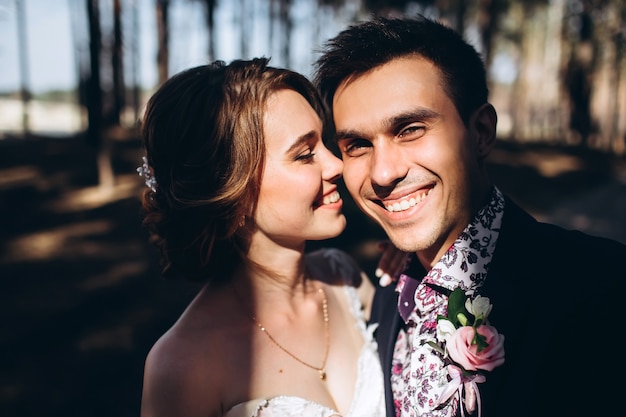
[{"x": 322, "y": 369}]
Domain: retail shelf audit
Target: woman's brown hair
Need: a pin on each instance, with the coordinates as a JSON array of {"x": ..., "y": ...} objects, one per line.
[{"x": 203, "y": 136}]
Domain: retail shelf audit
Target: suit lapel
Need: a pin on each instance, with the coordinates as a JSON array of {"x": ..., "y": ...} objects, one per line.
[{"x": 385, "y": 313}]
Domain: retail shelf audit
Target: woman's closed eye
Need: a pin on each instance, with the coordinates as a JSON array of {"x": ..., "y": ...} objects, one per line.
[{"x": 306, "y": 157}]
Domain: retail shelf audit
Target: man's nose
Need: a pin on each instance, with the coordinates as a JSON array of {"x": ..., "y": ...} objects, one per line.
[{"x": 387, "y": 166}]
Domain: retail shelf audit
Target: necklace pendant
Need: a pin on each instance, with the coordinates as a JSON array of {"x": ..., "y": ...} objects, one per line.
[{"x": 322, "y": 373}]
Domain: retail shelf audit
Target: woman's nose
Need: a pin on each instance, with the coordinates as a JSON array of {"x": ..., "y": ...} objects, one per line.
[{"x": 332, "y": 166}]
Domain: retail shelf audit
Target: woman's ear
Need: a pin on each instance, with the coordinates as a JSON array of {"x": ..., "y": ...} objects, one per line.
[{"x": 483, "y": 127}]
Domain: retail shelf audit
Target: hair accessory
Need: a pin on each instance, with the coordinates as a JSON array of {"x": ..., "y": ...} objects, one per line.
[{"x": 145, "y": 171}]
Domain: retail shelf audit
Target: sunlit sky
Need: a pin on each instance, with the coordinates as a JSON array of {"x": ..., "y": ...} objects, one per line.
[
  {"x": 51, "y": 55},
  {"x": 52, "y": 58}
]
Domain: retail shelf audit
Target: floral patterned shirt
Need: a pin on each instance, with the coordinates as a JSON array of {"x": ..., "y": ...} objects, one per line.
[{"x": 418, "y": 375}]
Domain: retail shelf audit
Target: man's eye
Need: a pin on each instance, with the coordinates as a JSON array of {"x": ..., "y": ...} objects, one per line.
[
  {"x": 355, "y": 147},
  {"x": 412, "y": 131}
]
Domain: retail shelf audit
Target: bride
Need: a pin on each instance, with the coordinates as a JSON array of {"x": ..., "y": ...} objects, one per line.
[{"x": 239, "y": 178}]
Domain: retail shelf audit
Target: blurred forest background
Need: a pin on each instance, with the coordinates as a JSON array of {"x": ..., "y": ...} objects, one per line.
[{"x": 81, "y": 298}]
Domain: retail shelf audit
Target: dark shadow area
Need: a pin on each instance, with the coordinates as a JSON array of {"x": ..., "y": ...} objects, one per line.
[{"x": 81, "y": 298}]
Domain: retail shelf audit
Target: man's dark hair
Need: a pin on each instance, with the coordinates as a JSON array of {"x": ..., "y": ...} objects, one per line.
[{"x": 370, "y": 44}]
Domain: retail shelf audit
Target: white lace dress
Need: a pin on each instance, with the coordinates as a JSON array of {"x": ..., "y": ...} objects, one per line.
[{"x": 369, "y": 396}]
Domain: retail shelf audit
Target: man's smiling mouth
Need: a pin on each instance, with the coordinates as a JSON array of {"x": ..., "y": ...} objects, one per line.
[{"x": 407, "y": 203}]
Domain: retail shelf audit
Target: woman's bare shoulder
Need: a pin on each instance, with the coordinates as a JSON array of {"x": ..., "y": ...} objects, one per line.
[{"x": 183, "y": 372}]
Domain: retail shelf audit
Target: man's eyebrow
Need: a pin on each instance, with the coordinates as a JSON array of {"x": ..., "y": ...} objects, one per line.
[
  {"x": 420, "y": 114},
  {"x": 302, "y": 139},
  {"x": 348, "y": 133}
]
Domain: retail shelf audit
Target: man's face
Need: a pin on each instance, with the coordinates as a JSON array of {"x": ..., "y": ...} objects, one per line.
[{"x": 409, "y": 161}]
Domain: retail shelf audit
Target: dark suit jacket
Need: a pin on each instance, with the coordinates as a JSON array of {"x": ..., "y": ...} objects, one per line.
[{"x": 559, "y": 299}]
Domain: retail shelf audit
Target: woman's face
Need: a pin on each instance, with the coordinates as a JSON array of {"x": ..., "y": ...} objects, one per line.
[{"x": 298, "y": 199}]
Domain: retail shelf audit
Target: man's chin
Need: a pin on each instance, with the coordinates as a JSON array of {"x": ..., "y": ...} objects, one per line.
[
  {"x": 404, "y": 244},
  {"x": 410, "y": 239}
]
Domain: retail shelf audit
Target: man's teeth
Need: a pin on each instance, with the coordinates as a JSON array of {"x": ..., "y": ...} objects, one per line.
[
  {"x": 406, "y": 204},
  {"x": 331, "y": 198}
]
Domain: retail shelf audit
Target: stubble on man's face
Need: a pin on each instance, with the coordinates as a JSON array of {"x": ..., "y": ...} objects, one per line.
[{"x": 408, "y": 159}]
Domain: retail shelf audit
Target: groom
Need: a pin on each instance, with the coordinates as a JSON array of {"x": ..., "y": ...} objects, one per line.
[{"x": 545, "y": 306}]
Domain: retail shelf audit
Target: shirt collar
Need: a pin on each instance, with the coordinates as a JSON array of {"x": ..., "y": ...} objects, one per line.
[{"x": 464, "y": 264}]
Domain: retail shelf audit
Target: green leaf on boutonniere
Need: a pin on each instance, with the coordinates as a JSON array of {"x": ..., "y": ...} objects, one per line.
[
  {"x": 456, "y": 305},
  {"x": 436, "y": 347},
  {"x": 480, "y": 341}
]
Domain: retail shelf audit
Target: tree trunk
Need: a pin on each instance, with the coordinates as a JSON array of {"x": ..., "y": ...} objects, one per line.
[
  {"x": 94, "y": 100},
  {"x": 94, "y": 90},
  {"x": 24, "y": 72},
  {"x": 618, "y": 37},
  {"x": 162, "y": 12},
  {"x": 244, "y": 26},
  {"x": 135, "y": 70},
  {"x": 287, "y": 24},
  {"x": 117, "y": 62},
  {"x": 210, "y": 25},
  {"x": 488, "y": 15}
]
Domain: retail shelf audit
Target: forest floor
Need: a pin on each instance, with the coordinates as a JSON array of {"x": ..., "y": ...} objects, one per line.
[{"x": 81, "y": 299}]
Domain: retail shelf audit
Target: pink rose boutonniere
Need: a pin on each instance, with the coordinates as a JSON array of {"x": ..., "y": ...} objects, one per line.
[{"x": 471, "y": 346}]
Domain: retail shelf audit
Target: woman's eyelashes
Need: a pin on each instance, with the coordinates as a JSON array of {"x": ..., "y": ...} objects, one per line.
[{"x": 306, "y": 156}]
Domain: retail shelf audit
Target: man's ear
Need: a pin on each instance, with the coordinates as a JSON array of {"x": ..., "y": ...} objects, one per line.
[{"x": 483, "y": 128}]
